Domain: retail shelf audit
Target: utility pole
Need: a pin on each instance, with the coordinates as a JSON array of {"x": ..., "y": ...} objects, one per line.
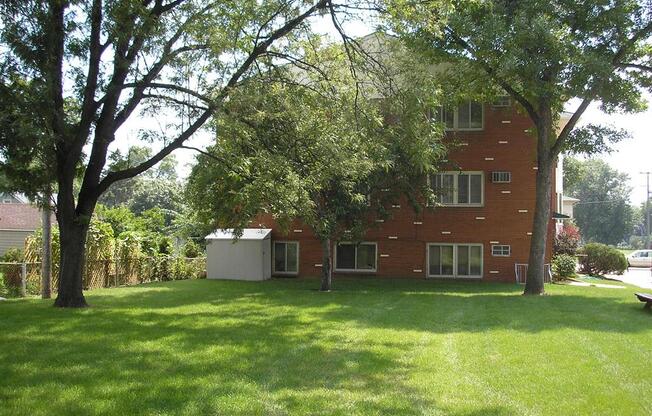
[
  {"x": 46, "y": 258},
  {"x": 647, "y": 210}
]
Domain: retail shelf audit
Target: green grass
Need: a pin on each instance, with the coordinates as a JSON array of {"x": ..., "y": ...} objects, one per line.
[{"x": 369, "y": 348}]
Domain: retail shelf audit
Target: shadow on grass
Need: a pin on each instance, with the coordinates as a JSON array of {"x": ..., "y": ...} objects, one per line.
[
  {"x": 262, "y": 348},
  {"x": 255, "y": 360},
  {"x": 405, "y": 304}
]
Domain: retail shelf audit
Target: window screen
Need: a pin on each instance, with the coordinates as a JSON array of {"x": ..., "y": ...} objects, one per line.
[{"x": 500, "y": 250}]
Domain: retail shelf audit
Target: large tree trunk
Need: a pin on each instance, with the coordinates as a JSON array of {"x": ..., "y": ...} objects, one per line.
[
  {"x": 327, "y": 266},
  {"x": 72, "y": 236},
  {"x": 535, "y": 271}
]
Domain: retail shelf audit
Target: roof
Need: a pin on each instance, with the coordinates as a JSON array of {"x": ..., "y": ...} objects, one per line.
[
  {"x": 16, "y": 198},
  {"x": 569, "y": 199},
  {"x": 19, "y": 217},
  {"x": 247, "y": 234}
]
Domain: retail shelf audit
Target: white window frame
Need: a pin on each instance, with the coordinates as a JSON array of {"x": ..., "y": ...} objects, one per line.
[
  {"x": 494, "y": 247},
  {"x": 286, "y": 257},
  {"x": 455, "y": 275},
  {"x": 502, "y": 101},
  {"x": 456, "y": 117},
  {"x": 355, "y": 257},
  {"x": 456, "y": 188}
]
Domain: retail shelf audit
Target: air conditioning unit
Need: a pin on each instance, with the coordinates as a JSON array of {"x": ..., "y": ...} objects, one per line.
[{"x": 501, "y": 177}]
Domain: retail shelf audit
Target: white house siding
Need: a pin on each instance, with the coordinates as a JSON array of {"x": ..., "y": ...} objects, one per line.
[{"x": 13, "y": 238}]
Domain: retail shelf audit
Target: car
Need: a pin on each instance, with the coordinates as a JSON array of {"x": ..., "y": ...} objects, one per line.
[{"x": 640, "y": 258}]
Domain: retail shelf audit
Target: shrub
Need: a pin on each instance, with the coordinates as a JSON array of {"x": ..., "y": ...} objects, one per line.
[
  {"x": 600, "y": 259},
  {"x": 13, "y": 255},
  {"x": 164, "y": 245},
  {"x": 191, "y": 249},
  {"x": 563, "y": 266},
  {"x": 3, "y": 288},
  {"x": 567, "y": 241},
  {"x": 637, "y": 242},
  {"x": 11, "y": 275}
]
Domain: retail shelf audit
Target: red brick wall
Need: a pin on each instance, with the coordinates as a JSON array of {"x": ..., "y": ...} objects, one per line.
[{"x": 502, "y": 145}]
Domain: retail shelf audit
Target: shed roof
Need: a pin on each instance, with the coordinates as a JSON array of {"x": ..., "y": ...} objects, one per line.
[
  {"x": 19, "y": 217},
  {"x": 247, "y": 234}
]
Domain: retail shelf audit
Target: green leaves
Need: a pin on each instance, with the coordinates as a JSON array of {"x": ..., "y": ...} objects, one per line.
[
  {"x": 594, "y": 139},
  {"x": 603, "y": 213},
  {"x": 542, "y": 53},
  {"x": 319, "y": 149}
]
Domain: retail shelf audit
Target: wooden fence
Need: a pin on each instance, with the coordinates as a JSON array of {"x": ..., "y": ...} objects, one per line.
[{"x": 21, "y": 279}]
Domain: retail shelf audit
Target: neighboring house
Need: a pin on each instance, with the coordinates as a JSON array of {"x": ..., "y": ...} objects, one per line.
[
  {"x": 6, "y": 198},
  {"x": 482, "y": 228},
  {"x": 18, "y": 219},
  {"x": 564, "y": 205},
  {"x": 568, "y": 205}
]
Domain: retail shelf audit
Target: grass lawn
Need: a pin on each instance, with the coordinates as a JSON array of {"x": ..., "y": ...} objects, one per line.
[{"x": 371, "y": 347}]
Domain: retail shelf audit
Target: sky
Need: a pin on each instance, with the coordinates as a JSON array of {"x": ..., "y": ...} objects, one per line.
[{"x": 631, "y": 156}]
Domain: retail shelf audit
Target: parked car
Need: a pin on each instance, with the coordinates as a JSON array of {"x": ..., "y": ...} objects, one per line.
[{"x": 640, "y": 258}]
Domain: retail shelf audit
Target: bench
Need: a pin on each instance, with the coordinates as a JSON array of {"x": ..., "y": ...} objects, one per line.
[{"x": 645, "y": 297}]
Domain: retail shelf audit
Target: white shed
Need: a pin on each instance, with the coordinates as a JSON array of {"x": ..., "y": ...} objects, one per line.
[{"x": 247, "y": 258}]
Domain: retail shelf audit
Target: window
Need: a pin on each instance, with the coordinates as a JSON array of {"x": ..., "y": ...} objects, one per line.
[
  {"x": 502, "y": 101},
  {"x": 458, "y": 188},
  {"x": 501, "y": 177},
  {"x": 286, "y": 257},
  {"x": 455, "y": 260},
  {"x": 468, "y": 115},
  {"x": 355, "y": 257},
  {"x": 440, "y": 260},
  {"x": 501, "y": 250}
]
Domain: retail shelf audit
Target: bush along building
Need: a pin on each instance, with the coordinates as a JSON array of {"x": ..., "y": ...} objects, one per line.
[{"x": 481, "y": 227}]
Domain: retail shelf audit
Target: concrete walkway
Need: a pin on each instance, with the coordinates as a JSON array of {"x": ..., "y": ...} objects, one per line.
[
  {"x": 604, "y": 286},
  {"x": 637, "y": 276}
]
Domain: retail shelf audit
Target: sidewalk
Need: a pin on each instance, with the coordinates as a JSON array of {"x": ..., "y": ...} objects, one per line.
[{"x": 637, "y": 276}]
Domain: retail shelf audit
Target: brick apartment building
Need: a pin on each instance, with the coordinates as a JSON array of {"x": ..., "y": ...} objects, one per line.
[{"x": 480, "y": 231}]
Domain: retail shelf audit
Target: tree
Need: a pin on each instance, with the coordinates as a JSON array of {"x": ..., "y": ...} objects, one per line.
[
  {"x": 603, "y": 213},
  {"x": 326, "y": 155},
  {"x": 76, "y": 72},
  {"x": 574, "y": 174},
  {"x": 542, "y": 54},
  {"x": 135, "y": 192},
  {"x": 567, "y": 240}
]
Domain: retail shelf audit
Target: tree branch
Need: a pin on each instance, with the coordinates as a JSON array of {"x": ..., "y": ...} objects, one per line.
[
  {"x": 262, "y": 47},
  {"x": 173, "y": 87},
  {"x": 572, "y": 122},
  {"x": 491, "y": 71},
  {"x": 590, "y": 96},
  {"x": 174, "y": 100},
  {"x": 119, "y": 175},
  {"x": 89, "y": 107},
  {"x": 54, "y": 68},
  {"x": 258, "y": 50},
  {"x": 642, "y": 67}
]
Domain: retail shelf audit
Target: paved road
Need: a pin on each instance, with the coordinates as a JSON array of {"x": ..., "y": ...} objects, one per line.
[{"x": 638, "y": 276}]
